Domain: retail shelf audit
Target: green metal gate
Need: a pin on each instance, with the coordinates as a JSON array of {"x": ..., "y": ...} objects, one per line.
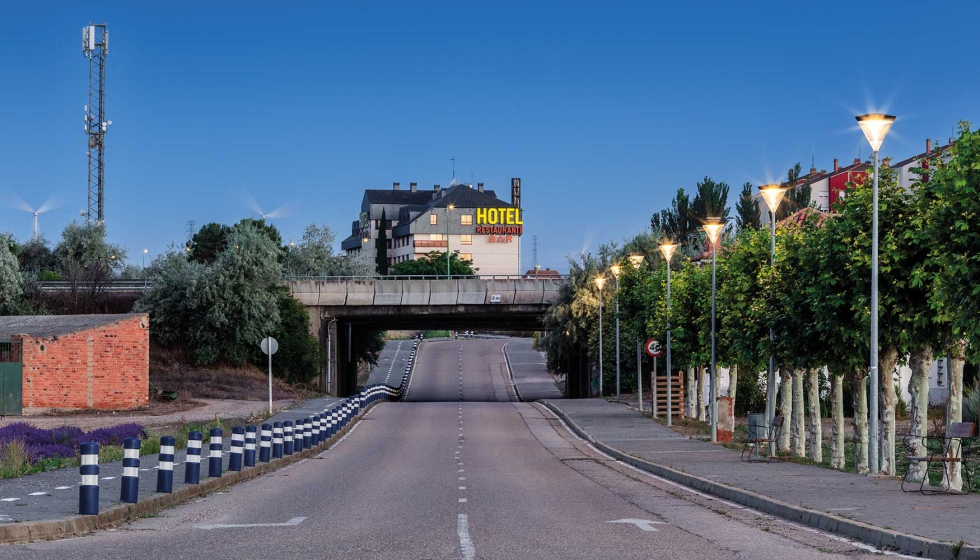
[{"x": 11, "y": 382}]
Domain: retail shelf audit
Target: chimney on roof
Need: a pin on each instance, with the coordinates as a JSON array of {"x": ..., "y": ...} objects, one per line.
[
  {"x": 836, "y": 166},
  {"x": 857, "y": 160},
  {"x": 951, "y": 140},
  {"x": 435, "y": 188},
  {"x": 479, "y": 187},
  {"x": 395, "y": 186},
  {"x": 413, "y": 186},
  {"x": 813, "y": 170},
  {"x": 928, "y": 145}
]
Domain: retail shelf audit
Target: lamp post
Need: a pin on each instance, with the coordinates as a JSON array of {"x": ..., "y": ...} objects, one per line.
[
  {"x": 599, "y": 281},
  {"x": 875, "y": 127},
  {"x": 668, "y": 248},
  {"x": 713, "y": 228},
  {"x": 616, "y": 270},
  {"x": 448, "y": 210},
  {"x": 145, "y": 252},
  {"x": 772, "y": 194},
  {"x": 636, "y": 260}
]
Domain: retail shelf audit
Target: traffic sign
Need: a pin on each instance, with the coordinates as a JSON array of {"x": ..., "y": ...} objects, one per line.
[
  {"x": 653, "y": 348},
  {"x": 269, "y": 345}
]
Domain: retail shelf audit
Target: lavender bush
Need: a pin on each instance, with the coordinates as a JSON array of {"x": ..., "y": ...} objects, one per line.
[{"x": 63, "y": 442}]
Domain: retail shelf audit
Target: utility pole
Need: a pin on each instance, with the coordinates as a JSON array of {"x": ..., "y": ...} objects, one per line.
[{"x": 95, "y": 47}]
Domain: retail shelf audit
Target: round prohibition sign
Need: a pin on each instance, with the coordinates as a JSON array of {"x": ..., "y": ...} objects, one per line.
[{"x": 653, "y": 348}]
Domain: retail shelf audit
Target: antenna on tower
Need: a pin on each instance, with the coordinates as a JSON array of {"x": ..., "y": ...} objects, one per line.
[
  {"x": 453, "y": 159},
  {"x": 534, "y": 253},
  {"x": 95, "y": 47},
  {"x": 190, "y": 230}
]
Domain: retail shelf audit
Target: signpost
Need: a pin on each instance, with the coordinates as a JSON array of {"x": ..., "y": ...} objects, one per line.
[
  {"x": 269, "y": 346},
  {"x": 653, "y": 350}
]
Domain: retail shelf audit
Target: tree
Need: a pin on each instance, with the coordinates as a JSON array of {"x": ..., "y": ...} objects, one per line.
[
  {"x": 382, "y": 244},
  {"x": 88, "y": 262},
  {"x": 711, "y": 201},
  {"x": 299, "y": 357},
  {"x": 208, "y": 242},
  {"x": 747, "y": 212},
  {"x": 11, "y": 288},
  {"x": 798, "y": 195},
  {"x": 36, "y": 258},
  {"x": 177, "y": 300},
  {"x": 675, "y": 222},
  {"x": 433, "y": 263}
]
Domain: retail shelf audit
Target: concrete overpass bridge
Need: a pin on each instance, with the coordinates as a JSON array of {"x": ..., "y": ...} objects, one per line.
[{"x": 341, "y": 308}]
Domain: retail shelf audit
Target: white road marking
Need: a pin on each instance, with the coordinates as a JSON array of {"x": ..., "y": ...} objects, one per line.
[
  {"x": 291, "y": 523},
  {"x": 462, "y": 488},
  {"x": 462, "y": 478},
  {"x": 63, "y": 487},
  {"x": 644, "y": 524},
  {"x": 108, "y": 478},
  {"x": 461, "y": 470},
  {"x": 466, "y": 549},
  {"x": 462, "y": 500},
  {"x": 37, "y": 493},
  {"x": 9, "y": 499}
]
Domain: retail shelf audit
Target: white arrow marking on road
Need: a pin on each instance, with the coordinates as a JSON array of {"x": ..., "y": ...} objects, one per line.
[
  {"x": 644, "y": 524},
  {"x": 291, "y": 523}
]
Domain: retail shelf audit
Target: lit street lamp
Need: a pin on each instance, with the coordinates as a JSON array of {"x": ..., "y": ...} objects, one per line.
[
  {"x": 772, "y": 194},
  {"x": 448, "y": 210},
  {"x": 145, "y": 252},
  {"x": 713, "y": 229},
  {"x": 875, "y": 127},
  {"x": 636, "y": 260},
  {"x": 668, "y": 249},
  {"x": 616, "y": 270},
  {"x": 599, "y": 281}
]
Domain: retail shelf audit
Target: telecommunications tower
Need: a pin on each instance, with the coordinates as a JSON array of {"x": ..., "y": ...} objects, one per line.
[{"x": 95, "y": 47}]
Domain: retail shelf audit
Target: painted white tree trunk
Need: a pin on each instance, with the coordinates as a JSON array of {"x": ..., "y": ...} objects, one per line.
[
  {"x": 701, "y": 386},
  {"x": 732, "y": 387},
  {"x": 816, "y": 429},
  {"x": 954, "y": 411},
  {"x": 691, "y": 389},
  {"x": 920, "y": 362},
  {"x": 785, "y": 408},
  {"x": 860, "y": 399},
  {"x": 888, "y": 360},
  {"x": 837, "y": 460},
  {"x": 799, "y": 415}
]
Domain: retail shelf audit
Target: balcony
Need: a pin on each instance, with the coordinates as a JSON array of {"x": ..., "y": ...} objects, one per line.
[{"x": 430, "y": 243}]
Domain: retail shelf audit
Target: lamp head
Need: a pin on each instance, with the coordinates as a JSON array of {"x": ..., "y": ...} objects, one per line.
[
  {"x": 713, "y": 228},
  {"x": 452, "y": 207},
  {"x": 773, "y": 195},
  {"x": 599, "y": 282},
  {"x": 146, "y": 251},
  {"x": 636, "y": 259},
  {"x": 875, "y": 127},
  {"x": 668, "y": 248},
  {"x": 616, "y": 270}
]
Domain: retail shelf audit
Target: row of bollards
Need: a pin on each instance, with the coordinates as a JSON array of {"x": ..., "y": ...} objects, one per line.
[{"x": 276, "y": 440}]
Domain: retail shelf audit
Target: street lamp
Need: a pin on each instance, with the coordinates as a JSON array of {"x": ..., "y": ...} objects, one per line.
[
  {"x": 773, "y": 195},
  {"x": 713, "y": 228},
  {"x": 616, "y": 270},
  {"x": 145, "y": 252},
  {"x": 875, "y": 127},
  {"x": 668, "y": 248},
  {"x": 448, "y": 210},
  {"x": 599, "y": 282},
  {"x": 636, "y": 260}
]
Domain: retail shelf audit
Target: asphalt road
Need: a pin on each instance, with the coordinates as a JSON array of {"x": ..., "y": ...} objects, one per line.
[{"x": 459, "y": 470}]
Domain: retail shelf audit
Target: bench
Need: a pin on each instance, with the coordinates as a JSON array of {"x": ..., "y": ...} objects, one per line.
[
  {"x": 956, "y": 447},
  {"x": 752, "y": 444}
]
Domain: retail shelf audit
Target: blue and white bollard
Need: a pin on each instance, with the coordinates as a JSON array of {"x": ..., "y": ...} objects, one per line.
[
  {"x": 237, "y": 448},
  {"x": 192, "y": 465},
  {"x": 214, "y": 457},
  {"x": 265, "y": 443},
  {"x": 287, "y": 437},
  {"x": 277, "y": 440},
  {"x": 307, "y": 433},
  {"x": 316, "y": 429},
  {"x": 323, "y": 426},
  {"x": 165, "y": 474},
  {"x": 298, "y": 440},
  {"x": 130, "y": 487},
  {"x": 88, "y": 491},
  {"x": 249, "y": 446}
]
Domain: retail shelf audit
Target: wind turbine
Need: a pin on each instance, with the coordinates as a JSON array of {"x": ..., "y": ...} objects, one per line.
[
  {"x": 251, "y": 203},
  {"x": 19, "y": 204}
]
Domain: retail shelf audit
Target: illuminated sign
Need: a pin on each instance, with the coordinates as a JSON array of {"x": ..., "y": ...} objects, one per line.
[
  {"x": 500, "y": 239},
  {"x": 499, "y": 221}
]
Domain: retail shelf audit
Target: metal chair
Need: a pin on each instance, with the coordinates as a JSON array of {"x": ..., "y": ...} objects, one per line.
[{"x": 751, "y": 446}]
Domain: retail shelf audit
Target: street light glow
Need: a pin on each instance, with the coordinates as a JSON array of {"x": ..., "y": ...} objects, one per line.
[
  {"x": 599, "y": 282},
  {"x": 773, "y": 195},
  {"x": 668, "y": 248},
  {"x": 636, "y": 260},
  {"x": 875, "y": 127},
  {"x": 713, "y": 228},
  {"x": 615, "y": 269}
]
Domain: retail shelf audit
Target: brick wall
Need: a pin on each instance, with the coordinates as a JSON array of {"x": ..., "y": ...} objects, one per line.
[{"x": 102, "y": 368}]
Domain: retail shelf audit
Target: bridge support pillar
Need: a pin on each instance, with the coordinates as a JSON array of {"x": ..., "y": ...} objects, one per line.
[
  {"x": 577, "y": 382},
  {"x": 345, "y": 359}
]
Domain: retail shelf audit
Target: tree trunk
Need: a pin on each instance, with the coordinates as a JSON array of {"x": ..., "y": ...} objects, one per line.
[
  {"x": 921, "y": 364},
  {"x": 837, "y": 460},
  {"x": 799, "y": 415},
  {"x": 886, "y": 362},
  {"x": 690, "y": 389},
  {"x": 700, "y": 394},
  {"x": 954, "y": 411},
  {"x": 816, "y": 429},
  {"x": 732, "y": 386},
  {"x": 785, "y": 408},
  {"x": 860, "y": 422}
]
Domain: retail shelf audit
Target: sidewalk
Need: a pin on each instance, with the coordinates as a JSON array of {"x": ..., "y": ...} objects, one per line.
[
  {"x": 823, "y": 498},
  {"x": 54, "y": 494}
]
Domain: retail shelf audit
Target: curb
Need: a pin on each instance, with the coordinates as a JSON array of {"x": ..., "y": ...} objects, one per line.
[
  {"x": 79, "y": 524},
  {"x": 510, "y": 373},
  {"x": 885, "y": 539}
]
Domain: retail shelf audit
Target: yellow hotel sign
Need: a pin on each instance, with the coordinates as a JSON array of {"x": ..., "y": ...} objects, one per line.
[{"x": 499, "y": 216}]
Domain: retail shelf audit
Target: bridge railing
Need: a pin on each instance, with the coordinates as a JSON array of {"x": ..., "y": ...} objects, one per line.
[
  {"x": 425, "y": 291},
  {"x": 428, "y": 277}
]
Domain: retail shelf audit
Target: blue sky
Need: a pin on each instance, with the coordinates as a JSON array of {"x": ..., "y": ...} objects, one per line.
[{"x": 602, "y": 111}]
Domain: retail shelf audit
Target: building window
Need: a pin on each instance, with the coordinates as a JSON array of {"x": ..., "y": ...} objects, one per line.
[
  {"x": 437, "y": 237},
  {"x": 466, "y": 239},
  {"x": 466, "y": 220},
  {"x": 466, "y": 257},
  {"x": 433, "y": 220}
]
